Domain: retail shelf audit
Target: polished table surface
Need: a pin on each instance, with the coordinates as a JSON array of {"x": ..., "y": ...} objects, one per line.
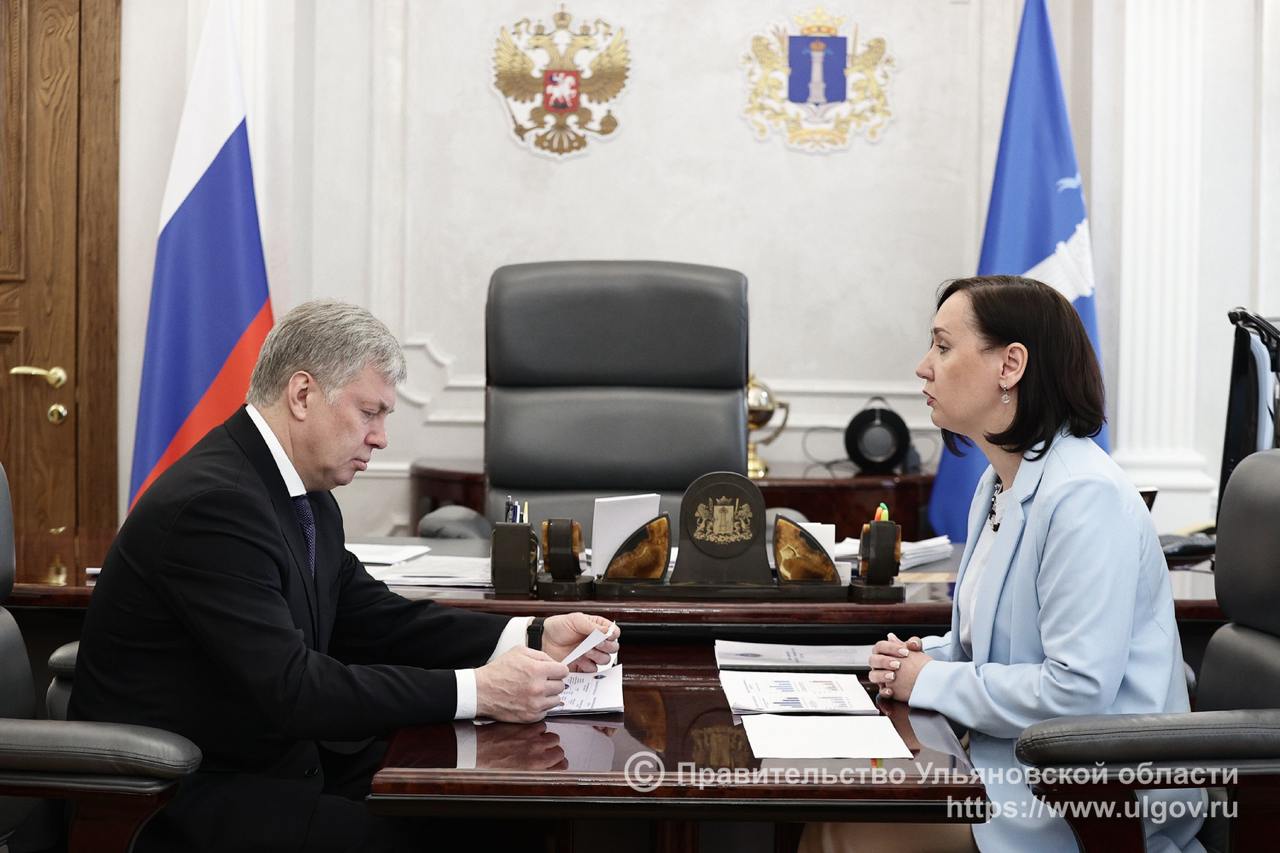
[{"x": 676, "y": 714}]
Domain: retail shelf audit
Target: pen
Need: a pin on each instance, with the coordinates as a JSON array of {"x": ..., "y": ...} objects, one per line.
[{"x": 524, "y": 516}]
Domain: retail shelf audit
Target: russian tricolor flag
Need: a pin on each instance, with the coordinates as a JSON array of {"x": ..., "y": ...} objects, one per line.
[
  {"x": 1037, "y": 226},
  {"x": 210, "y": 309}
]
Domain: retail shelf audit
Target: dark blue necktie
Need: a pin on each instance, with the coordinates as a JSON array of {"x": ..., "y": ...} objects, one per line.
[{"x": 302, "y": 509}]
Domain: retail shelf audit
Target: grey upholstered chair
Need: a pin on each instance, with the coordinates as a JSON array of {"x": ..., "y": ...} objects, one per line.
[
  {"x": 113, "y": 776},
  {"x": 608, "y": 378},
  {"x": 1236, "y": 725}
]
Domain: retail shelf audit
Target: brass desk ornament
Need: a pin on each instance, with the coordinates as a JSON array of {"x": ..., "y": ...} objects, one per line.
[{"x": 761, "y": 407}]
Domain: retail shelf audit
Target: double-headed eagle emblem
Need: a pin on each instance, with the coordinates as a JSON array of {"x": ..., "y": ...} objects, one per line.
[
  {"x": 547, "y": 91},
  {"x": 816, "y": 87}
]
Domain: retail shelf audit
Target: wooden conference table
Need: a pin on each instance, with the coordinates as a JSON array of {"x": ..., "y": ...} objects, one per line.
[
  {"x": 677, "y": 714},
  {"x": 675, "y": 757}
]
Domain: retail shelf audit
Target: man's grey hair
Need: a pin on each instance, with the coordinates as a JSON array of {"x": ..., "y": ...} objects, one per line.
[{"x": 333, "y": 341}]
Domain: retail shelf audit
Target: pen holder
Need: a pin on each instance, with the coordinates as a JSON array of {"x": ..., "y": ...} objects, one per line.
[
  {"x": 513, "y": 559},
  {"x": 879, "y": 556},
  {"x": 563, "y": 580}
]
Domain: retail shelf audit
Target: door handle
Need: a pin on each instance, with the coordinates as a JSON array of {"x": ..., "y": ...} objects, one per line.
[{"x": 55, "y": 376}]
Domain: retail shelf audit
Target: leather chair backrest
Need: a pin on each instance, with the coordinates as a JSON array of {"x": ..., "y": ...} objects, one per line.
[
  {"x": 8, "y": 558},
  {"x": 17, "y": 692},
  {"x": 1241, "y": 666},
  {"x": 612, "y": 377}
]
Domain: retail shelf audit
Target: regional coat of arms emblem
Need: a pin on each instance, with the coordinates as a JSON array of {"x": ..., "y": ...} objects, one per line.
[
  {"x": 815, "y": 87},
  {"x": 554, "y": 80}
]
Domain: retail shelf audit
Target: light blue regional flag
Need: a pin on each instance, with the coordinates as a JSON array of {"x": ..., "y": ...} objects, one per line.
[{"x": 1036, "y": 226}]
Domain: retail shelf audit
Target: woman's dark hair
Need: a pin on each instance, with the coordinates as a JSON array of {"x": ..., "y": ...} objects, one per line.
[{"x": 1062, "y": 383}]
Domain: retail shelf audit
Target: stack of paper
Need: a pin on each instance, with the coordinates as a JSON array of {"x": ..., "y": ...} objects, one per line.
[
  {"x": 794, "y": 692},
  {"x": 778, "y": 736},
  {"x": 792, "y": 658},
  {"x": 913, "y": 553}
]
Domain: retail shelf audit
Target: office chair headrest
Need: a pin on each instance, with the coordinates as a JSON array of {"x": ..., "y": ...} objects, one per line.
[
  {"x": 616, "y": 323},
  {"x": 7, "y": 559},
  {"x": 1247, "y": 574}
]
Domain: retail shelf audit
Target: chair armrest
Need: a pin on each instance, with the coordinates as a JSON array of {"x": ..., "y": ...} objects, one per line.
[
  {"x": 455, "y": 522},
  {"x": 62, "y": 663},
  {"x": 1247, "y": 740},
  {"x": 116, "y": 749}
]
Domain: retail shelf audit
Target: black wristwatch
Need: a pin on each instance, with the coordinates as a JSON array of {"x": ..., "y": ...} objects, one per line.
[{"x": 533, "y": 634}]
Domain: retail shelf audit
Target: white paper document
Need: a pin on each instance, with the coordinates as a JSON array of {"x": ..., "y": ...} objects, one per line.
[
  {"x": 792, "y": 658},
  {"x": 795, "y": 692},
  {"x": 591, "y": 693},
  {"x": 614, "y": 520},
  {"x": 785, "y": 736},
  {"x": 372, "y": 554},
  {"x": 433, "y": 570}
]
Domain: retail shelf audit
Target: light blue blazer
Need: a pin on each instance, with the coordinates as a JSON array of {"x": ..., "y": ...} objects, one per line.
[{"x": 1073, "y": 615}]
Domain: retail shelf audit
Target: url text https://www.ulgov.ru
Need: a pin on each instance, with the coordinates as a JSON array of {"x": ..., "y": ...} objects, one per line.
[
  {"x": 1155, "y": 810},
  {"x": 645, "y": 772}
]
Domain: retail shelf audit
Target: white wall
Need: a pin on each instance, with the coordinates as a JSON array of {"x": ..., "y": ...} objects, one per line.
[{"x": 386, "y": 176}]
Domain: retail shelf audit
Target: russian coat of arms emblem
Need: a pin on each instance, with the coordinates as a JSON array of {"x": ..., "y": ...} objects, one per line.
[
  {"x": 815, "y": 87},
  {"x": 555, "y": 79}
]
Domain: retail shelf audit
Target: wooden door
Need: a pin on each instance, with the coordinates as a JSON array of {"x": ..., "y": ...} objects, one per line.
[{"x": 58, "y": 165}]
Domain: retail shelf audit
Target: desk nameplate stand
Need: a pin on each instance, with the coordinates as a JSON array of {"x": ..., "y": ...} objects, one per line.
[
  {"x": 880, "y": 555},
  {"x": 563, "y": 579},
  {"x": 722, "y": 552},
  {"x": 514, "y": 561}
]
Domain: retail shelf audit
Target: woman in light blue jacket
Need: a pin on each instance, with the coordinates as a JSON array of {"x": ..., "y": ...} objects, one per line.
[{"x": 1062, "y": 603}]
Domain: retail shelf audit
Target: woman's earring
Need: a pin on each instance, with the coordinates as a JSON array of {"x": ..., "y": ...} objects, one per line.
[{"x": 1004, "y": 395}]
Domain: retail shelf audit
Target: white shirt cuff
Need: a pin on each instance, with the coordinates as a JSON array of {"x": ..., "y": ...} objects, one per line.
[
  {"x": 466, "y": 709},
  {"x": 466, "y": 735},
  {"x": 512, "y": 636}
]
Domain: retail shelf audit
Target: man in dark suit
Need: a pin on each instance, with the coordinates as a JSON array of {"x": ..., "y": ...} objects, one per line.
[{"x": 229, "y": 611}]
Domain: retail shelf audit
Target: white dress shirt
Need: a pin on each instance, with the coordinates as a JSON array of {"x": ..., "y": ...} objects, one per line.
[
  {"x": 513, "y": 635},
  {"x": 977, "y": 562}
]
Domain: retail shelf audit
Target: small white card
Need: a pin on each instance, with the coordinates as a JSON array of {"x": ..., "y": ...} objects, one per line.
[
  {"x": 593, "y": 639},
  {"x": 825, "y": 534},
  {"x": 614, "y": 520},
  {"x": 591, "y": 693},
  {"x": 780, "y": 736}
]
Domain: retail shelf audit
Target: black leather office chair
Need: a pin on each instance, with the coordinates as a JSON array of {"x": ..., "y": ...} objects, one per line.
[
  {"x": 1236, "y": 725},
  {"x": 608, "y": 378},
  {"x": 113, "y": 776}
]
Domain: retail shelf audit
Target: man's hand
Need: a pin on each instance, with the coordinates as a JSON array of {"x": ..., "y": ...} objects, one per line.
[
  {"x": 512, "y": 747},
  {"x": 895, "y": 665},
  {"x": 520, "y": 686},
  {"x": 562, "y": 634}
]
